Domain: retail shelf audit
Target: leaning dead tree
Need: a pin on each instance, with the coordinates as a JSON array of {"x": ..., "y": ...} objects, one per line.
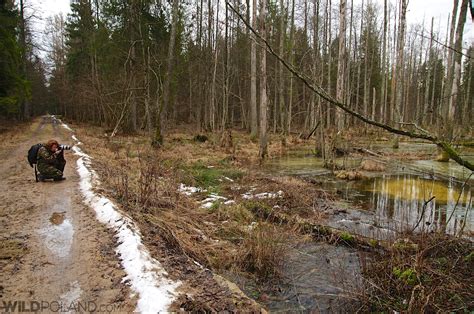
[{"x": 419, "y": 133}]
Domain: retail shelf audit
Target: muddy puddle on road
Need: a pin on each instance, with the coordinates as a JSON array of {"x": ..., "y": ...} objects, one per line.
[
  {"x": 57, "y": 234},
  {"x": 58, "y": 238},
  {"x": 57, "y": 218}
]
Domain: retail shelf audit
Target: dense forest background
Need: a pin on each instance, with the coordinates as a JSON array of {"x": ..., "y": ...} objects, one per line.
[{"x": 132, "y": 65}]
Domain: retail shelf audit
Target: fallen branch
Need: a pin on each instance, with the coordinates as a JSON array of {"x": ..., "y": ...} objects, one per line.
[
  {"x": 312, "y": 132},
  {"x": 367, "y": 151},
  {"x": 324, "y": 95}
]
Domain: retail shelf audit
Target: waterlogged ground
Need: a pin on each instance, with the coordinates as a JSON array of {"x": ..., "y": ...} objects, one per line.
[
  {"x": 407, "y": 195},
  {"x": 317, "y": 277},
  {"x": 400, "y": 201}
]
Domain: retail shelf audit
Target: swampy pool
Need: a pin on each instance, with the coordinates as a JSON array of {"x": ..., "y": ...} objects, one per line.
[{"x": 401, "y": 197}]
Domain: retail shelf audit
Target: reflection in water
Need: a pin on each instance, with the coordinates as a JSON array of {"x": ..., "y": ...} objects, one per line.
[
  {"x": 58, "y": 238},
  {"x": 404, "y": 199},
  {"x": 396, "y": 199}
]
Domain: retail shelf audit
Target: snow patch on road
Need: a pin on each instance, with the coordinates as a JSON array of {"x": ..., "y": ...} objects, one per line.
[{"x": 146, "y": 275}]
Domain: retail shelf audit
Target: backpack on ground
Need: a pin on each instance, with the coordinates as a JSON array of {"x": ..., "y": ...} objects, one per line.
[{"x": 33, "y": 157}]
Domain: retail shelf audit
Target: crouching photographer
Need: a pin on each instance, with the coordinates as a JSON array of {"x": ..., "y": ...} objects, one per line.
[{"x": 51, "y": 161}]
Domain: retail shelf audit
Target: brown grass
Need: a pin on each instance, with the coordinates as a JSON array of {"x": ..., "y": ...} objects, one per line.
[
  {"x": 263, "y": 251},
  {"x": 145, "y": 181},
  {"x": 428, "y": 273},
  {"x": 351, "y": 175},
  {"x": 370, "y": 165}
]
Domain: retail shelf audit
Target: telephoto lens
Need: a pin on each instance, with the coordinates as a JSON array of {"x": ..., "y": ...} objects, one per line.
[{"x": 64, "y": 147}]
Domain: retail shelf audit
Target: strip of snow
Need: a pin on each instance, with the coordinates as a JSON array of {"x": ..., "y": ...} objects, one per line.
[
  {"x": 211, "y": 199},
  {"x": 249, "y": 196},
  {"x": 189, "y": 190},
  {"x": 207, "y": 202},
  {"x": 64, "y": 125},
  {"x": 77, "y": 141},
  {"x": 145, "y": 274}
]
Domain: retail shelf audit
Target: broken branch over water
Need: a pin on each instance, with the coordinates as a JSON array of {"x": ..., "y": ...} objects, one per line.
[{"x": 444, "y": 145}]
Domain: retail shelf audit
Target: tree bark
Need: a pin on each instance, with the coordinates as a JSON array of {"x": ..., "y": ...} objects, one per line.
[
  {"x": 24, "y": 59},
  {"x": 158, "y": 138},
  {"x": 253, "y": 76},
  {"x": 263, "y": 152},
  {"x": 341, "y": 62},
  {"x": 453, "y": 98}
]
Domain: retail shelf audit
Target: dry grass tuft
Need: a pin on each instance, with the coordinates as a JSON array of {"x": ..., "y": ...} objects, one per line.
[
  {"x": 351, "y": 175},
  {"x": 370, "y": 165},
  {"x": 433, "y": 274},
  {"x": 263, "y": 251}
]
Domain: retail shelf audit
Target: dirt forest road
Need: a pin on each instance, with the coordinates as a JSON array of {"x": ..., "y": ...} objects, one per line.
[{"x": 53, "y": 251}]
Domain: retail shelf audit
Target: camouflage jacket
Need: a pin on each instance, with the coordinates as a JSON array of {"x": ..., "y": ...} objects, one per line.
[{"x": 46, "y": 156}]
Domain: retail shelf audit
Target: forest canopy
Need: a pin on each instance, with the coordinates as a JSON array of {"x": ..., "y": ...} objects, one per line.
[{"x": 145, "y": 65}]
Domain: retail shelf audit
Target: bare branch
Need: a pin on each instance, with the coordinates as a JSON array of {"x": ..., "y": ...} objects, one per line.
[
  {"x": 324, "y": 95},
  {"x": 445, "y": 46}
]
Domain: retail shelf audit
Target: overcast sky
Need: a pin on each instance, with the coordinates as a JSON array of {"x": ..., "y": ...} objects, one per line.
[{"x": 417, "y": 11}]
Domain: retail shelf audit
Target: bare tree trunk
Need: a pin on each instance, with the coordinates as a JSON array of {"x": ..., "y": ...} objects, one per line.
[
  {"x": 427, "y": 59},
  {"x": 366, "y": 70},
  {"x": 383, "y": 107},
  {"x": 149, "y": 123},
  {"x": 359, "y": 63},
  {"x": 468, "y": 101},
  {"x": 453, "y": 99},
  {"x": 158, "y": 139},
  {"x": 26, "y": 102},
  {"x": 281, "y": 79},
  {"x": 213, "y": 100},
  {"x": 449, "y": 67},
  {"x": 287, "y": 126},
  {"x": 200, "y": 98},
  {"x": 420, "y": 106},
  {"x": 400, "y": 59},
  {"x": 341, "y": 62},
  {"x": 349, "y": 86},
  {"x": 316, "y": 61},
  {"x": 263, "y": 84},
  {"x": 225, "y": 102},
  {"x": 253, "y": 76},
  {"x": 133, "y": 85},
  {"x": 329, "y": 78}
]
